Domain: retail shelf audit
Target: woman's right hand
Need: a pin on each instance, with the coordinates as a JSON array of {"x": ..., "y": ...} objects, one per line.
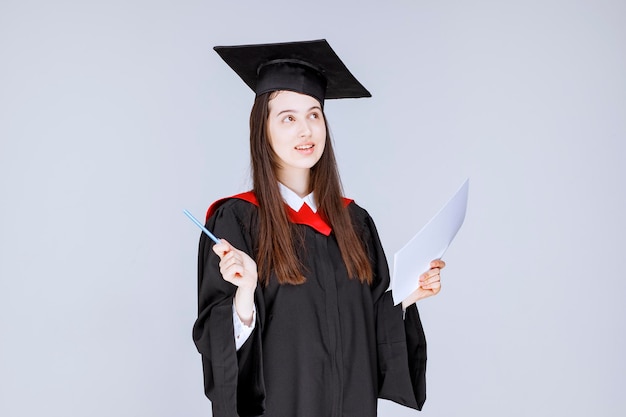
[
  {"x": 239, "y": 269},
  {"x": 236, "y": 266}
]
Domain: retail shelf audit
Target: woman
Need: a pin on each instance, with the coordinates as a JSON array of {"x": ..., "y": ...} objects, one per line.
[{"x": 294, "y": 317}]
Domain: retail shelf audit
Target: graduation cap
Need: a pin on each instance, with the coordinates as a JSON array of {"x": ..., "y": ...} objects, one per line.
[{"x": 309, "y": 67}]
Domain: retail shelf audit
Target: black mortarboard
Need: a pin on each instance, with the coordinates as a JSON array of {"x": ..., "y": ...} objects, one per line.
[{"x": 309, "y": 67}]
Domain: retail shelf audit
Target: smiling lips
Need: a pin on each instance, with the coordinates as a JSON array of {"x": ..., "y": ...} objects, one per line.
[{"x": 305, "y": 147}]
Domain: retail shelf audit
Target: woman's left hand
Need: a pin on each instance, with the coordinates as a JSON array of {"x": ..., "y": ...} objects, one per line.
[{"x": 430, "y": 284}]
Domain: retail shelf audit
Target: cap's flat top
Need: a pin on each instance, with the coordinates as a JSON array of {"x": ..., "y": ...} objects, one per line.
[{"x": 246, "y": 60}]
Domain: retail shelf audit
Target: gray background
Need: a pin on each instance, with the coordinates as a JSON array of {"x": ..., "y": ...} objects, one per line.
[{"x": 114, "y": 116}]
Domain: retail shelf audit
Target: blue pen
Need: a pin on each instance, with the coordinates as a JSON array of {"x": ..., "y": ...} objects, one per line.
[{"x": 204, "y": 229}]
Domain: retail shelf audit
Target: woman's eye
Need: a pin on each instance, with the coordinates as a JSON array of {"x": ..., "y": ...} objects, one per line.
[
  {"x": 314, "y": 116},
  {"x": 288, "y": 119}
]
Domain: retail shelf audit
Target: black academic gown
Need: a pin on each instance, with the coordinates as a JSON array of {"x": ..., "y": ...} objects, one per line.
[{"x": 327, "y": 348}]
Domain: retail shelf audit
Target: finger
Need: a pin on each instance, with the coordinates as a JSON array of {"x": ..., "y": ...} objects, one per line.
[
  {"x": 426, "y": 283},
  {"x": 431, "y": 280},
  {"x": 229, "y": 260},
  {"x": 232, "y": 273},
  {"x": 437, "y": 263},
  {"x": 230, "y": 257},
  {"x": 222, "y": 248},
  {"x": 433, "y": 286},
  {"x": 430, "y": 273}
]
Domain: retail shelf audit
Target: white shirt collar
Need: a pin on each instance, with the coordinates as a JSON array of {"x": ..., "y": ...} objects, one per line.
[{"x": 296, "y": 202}]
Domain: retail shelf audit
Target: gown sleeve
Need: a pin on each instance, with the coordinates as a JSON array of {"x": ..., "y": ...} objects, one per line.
[
  {"x": 401, "y": 343},
  {"x": 229, "y": 375}
]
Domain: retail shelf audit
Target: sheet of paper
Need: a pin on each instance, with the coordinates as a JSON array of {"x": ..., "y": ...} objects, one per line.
[{"x": 428, "y": 244}]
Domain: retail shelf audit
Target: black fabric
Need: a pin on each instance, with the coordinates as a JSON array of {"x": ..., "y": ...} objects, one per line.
[
  {"x": 291, "y": 76},
  {"x": 329, "y": 347},
  {"x": 309, "y": 67}
]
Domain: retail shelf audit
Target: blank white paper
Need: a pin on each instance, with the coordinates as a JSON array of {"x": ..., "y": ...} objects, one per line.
[{"x": 428, "y": 244}]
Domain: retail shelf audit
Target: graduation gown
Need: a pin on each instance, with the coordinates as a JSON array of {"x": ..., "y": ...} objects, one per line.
[{"x": 329, "y": 347}]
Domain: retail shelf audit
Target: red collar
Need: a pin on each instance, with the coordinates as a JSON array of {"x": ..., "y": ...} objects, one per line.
[{"x": 304, "y": 216}]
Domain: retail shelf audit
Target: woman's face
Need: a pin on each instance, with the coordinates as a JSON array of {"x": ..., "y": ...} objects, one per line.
[{"x": 297, "y": 132}]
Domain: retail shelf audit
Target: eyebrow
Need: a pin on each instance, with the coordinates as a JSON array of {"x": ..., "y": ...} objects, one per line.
[{"x": 295, "y": 111}]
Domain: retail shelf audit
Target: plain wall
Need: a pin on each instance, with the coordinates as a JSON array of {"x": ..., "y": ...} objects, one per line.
[{"x": 117, "y": 115}]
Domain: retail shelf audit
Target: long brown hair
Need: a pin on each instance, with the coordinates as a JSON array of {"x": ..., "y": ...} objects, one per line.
[{"x": 277, "y": 250}]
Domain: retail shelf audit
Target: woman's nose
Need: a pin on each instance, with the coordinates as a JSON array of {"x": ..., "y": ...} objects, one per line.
[{"x": 305, "y": 129}]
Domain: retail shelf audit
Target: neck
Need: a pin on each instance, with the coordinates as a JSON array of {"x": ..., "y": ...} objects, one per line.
[{"x": 297, "y": 181}]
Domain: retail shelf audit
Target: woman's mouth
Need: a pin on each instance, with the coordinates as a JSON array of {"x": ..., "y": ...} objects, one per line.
[{"x": 305, "y": 149}]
